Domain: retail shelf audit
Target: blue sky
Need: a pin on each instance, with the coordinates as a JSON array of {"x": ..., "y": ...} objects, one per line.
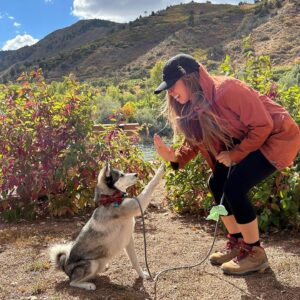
[{"x": 24, "y": 22}]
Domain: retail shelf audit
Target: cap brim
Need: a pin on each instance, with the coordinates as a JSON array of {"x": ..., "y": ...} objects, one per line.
[{"x": 164, "y": 86}]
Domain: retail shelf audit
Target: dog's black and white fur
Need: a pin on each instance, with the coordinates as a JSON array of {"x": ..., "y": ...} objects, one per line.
[{"x": 108, "y": 231}]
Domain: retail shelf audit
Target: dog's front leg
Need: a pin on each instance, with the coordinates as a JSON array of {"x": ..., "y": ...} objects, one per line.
[
  {"x": 133, "y": 258},
  {"x": 145, "y": 195}
]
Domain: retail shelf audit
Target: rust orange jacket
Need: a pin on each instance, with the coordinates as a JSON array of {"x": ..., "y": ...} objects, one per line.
[{"x": 254, "y": 119}]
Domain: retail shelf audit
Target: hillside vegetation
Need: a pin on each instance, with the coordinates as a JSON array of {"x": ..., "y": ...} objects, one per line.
[{"x": 93, "y": 49}]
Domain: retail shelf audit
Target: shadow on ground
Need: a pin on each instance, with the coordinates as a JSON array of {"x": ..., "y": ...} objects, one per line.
[
  {"x": 266, "y": 286},
  {"x": 105, "y": 287}
]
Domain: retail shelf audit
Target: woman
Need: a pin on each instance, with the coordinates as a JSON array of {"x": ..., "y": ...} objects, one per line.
[{"x": 230, "y": 124}]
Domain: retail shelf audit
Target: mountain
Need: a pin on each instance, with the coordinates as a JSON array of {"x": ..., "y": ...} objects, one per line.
[
  {"x": 55, "y": 44},
  {"x": 95, "y": 48}
]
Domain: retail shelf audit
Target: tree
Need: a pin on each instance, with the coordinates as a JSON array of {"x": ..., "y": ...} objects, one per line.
[
  {"x": 191, "y": 20},
  {"x": 155, "y": 73}
]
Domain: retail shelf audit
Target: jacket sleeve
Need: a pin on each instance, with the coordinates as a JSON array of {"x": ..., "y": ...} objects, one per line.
[
  {"x": 185, "y": 153},
  {"x": 246, "y": 104}
]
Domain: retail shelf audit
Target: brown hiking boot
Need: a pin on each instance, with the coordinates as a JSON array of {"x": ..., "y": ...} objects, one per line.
[
  {"x": 230, "y": 251},
  {"x": 250, "y": 259}
]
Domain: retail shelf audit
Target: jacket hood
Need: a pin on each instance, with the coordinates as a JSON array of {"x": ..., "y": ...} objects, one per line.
[{"x": 207, "y": 84}]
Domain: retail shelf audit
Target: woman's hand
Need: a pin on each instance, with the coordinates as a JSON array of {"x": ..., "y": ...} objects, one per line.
[
  {"x": 224, "y": 158},
  {"x": 165, "y": 152}
]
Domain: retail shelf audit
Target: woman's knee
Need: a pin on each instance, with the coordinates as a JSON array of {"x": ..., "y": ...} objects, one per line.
[
  {"x": 236, "y": 196},
  {"x": 234, "y": 191}
]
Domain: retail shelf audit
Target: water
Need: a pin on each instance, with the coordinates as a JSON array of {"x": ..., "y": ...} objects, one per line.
[{"x": 149, "y": 150}]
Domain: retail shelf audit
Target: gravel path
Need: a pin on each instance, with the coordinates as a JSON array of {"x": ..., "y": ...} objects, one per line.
[{"x": 172, "y": 240}]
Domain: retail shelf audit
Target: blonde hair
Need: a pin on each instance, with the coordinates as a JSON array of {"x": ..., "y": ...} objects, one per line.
[{"x": 197, "y": 119}]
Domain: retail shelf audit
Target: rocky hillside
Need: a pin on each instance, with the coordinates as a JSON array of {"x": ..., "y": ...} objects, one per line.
[
  {"x": 96, "y": 49},
  {"x": 278, "y": 36}
]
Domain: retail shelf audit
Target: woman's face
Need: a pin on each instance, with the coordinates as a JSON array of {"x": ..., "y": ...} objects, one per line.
[{"x": 179, "y": 91}]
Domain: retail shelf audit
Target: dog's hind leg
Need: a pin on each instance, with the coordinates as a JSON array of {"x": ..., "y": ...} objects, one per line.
[
  {"x": 82, "y": 273},
  {"x": 134, "y": 261}
]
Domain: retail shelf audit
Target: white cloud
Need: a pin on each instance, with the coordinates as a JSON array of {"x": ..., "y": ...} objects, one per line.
[
  {"x": 11, "y": 17},
  {"x": 125, "y": 10},
  {"x": 17, "y": 24},
  {"x": 116, "y": 10},
  {"x": 48, "y": 1},
  {"x": 19, "y": 41}
]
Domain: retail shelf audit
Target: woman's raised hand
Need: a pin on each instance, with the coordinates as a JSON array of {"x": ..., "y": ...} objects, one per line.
[{"x": 165, "y": 152}]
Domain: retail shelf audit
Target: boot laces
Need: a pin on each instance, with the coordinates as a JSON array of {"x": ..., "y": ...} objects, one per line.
[
  {"x": 245, "y": 250},
  {"x": 231, "y": 243}
]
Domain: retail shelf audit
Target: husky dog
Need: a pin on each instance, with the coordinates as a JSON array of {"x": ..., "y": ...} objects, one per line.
[{"x": 108, "y": 231}]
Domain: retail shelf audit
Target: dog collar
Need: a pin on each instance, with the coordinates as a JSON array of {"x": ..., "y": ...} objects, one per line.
[{"x": 116, "y": 198}]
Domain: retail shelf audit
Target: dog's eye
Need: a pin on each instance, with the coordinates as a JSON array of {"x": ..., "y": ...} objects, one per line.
[{"x": 121, "y": 175}]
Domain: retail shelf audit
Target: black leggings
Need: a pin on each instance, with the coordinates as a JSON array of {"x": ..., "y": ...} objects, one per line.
[{"x": 243, "y": 176}]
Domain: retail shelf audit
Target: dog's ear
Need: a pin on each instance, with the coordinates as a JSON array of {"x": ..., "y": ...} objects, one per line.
[{"x": 107, "y": 169}]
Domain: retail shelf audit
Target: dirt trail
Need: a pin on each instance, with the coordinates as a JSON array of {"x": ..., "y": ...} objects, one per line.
[{"x": 172, "y": 241}]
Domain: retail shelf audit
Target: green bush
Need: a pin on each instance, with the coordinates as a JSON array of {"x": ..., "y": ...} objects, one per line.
[
  {"x": 105, "y": 107},
  {"x": 277, "y": 200},
  {"x": 187, "y": 188},
  {"x": 291, "y": 78}
]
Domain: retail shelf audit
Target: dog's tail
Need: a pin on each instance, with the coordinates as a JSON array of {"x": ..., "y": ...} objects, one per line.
[{"x": 59, "y": 253}]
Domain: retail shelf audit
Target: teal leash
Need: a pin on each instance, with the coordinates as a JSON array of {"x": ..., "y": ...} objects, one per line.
[{"x": 144, "y": 235}]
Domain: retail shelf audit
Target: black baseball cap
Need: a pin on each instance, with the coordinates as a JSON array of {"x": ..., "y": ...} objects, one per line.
[{"x": 176, "y": 67}]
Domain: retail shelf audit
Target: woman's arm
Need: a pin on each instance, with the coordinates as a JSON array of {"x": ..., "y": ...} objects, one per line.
[{"x": 185, "y": 153}]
